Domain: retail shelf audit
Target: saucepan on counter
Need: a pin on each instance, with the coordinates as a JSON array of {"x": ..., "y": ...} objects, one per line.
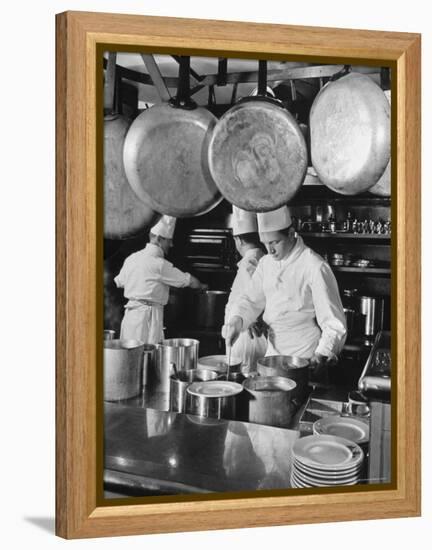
[
  {"x": 181, "y": 380},
  {"x": 270, "y": 400},
  {"x": 214, "y": 399},
  {"x": 219, "y": 364},
  {"x": 294, "y": 368}
]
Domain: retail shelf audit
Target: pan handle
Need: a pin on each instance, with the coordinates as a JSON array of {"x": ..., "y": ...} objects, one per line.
[{"x": 183, "y": 99}]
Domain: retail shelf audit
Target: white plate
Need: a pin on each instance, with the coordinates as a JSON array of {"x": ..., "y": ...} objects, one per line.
[
  {"x": 327, "y": 452},
  {"x": 326, "y": 473},
  {"x": 301, "y": 482},
  {"x": 215, "y": 388},
  {"x": 343, "y": 426},
  {"x": 322, "y": 482}
]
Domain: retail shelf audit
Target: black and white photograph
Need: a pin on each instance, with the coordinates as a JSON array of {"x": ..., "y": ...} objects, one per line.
[{"x": 247, "y": 277}]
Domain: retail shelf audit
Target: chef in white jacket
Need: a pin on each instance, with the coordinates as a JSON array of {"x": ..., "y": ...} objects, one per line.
[
  {"x": 251, "y": 345},
  {"x": 146, "y": 277},
  {"x": 298, "y": 293}
]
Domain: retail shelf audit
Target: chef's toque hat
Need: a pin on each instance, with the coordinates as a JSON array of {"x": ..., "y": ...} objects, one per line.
[
  {"x": 274, "y": 220},
  {"x": 243, "y": 221},
  {"x": 164, "y": 227}
]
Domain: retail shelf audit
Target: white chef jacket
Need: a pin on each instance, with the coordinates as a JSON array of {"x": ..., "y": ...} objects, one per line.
[
  {"x": 146, "y": 277},
  {"x": 246, "y": 349},
  {"x": 301, "y": 303}
]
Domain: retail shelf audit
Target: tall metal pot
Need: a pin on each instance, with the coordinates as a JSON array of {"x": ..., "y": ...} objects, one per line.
[
  {"x": 295, "y": 368},
  {"x": 123, "y": 364},
  {"x": 270, "y": 400},
  {"x": 183, "y": 352}
]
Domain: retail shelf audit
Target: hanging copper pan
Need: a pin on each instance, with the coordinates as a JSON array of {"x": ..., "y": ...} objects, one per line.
[
  {"x": 165, "y": 155},
  {"x": 257, "y": 154},
  {"x": 350, "y": 134}
]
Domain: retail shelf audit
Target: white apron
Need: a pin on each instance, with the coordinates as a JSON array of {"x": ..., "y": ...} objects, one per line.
[{"x": 143, "y": 322}]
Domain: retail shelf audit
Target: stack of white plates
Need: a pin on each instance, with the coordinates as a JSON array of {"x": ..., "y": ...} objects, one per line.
[{"x": 325, "y": 461}]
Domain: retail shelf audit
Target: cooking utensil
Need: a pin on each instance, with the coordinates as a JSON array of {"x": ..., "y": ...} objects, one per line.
[
  {"x": 372, "y": 310},
  {"x": 383, "y": 185},
  {"x": 125, "y": 215},
  {"x": 123, "y": 364},
  {"x": 208, "y": 307},
  {"x": 215, "y": 399},
  {"x": 181, "y": 351},
  {"x": 257, "y": 152},
  {"x": 295, "y": 368},
  {"x": 109, "y": 334},
  {"x": 181, "y": 381},
  {"x": 350, "y": 134},
  {"x": 165, "y": 154},
  {"x": 270, "y": 400}
]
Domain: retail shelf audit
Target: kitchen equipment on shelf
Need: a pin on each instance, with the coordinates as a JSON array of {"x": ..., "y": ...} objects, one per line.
[
  {"x": 349, "y": 154},
  {"x": 210, "y": 248},
  {"x": 325, "y": 461},
  {"x": 181, "y": 381},
  {"x": 181, "y": 351},
  {"x": 270, "y": 400},
  {"x": 123, "y": 364},
  {"x": 208, "y": 307},
  {"x": 351, "y": 428},
  {"x": 125, "y": 215},
  {"x": 214, "y": 399},
  {"x": 371, "y": 308},
  {"x": 109, "y": 334},
  {"x": 295, "y": 368},
  {"x": 257, "y": 152},
  {"x": 165, "y": 154}
]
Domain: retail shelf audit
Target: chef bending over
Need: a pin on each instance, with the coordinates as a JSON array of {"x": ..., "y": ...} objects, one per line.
[
  {"x": 298, "y": 293},
  {"x": 146, "y": 277},
  {"x": 251, "y": 344}
]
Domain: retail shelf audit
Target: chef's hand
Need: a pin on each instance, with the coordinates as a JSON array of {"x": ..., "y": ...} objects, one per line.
[
  {"x": 196, "y": 284},
  {"x": 255, "y": 330},
  {"x": 318, "y": 363},
  {"x": 231, "y": 330}
]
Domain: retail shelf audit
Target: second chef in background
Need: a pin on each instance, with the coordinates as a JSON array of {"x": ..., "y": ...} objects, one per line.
[
  {"x": 251, "y": 344},
  {"x": 146, "y": 277},
  {"x": 298, "y": 293}
]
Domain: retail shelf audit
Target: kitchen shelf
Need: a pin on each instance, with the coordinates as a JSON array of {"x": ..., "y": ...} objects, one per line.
[
  {"x": 359, "y": 236},
  {"x": 364, "y": 270}
]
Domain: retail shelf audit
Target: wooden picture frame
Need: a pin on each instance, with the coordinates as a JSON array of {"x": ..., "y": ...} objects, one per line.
[{"x": 78, "y": 295}]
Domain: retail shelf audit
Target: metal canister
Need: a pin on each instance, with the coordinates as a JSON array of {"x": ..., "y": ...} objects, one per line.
[
  {"x": 270, "y": 400},
  {"x": 372, "y": 311}
]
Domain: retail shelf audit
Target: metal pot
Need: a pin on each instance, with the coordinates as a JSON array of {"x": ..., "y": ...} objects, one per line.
[
  {"x": 295, "y": 368},
  {"x": 208, "y": 307},
  {"x": 123, "y": 364},
  {"x": 214, "y": 399},
  {"x": 149, "y": 362},
  {"x": 372, "y": 311},
  {"x": 270, "y": 400},
  {"x": 165, "y": 155},
  {"x": 257, "y": 152},
  {"x": 183, "y": 352},
  {"x": 180, "y": 382},
  {"x": 348, "y": 155}
]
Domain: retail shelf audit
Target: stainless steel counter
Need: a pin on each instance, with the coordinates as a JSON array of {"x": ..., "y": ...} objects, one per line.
[{"x": 156, "y": 452}]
